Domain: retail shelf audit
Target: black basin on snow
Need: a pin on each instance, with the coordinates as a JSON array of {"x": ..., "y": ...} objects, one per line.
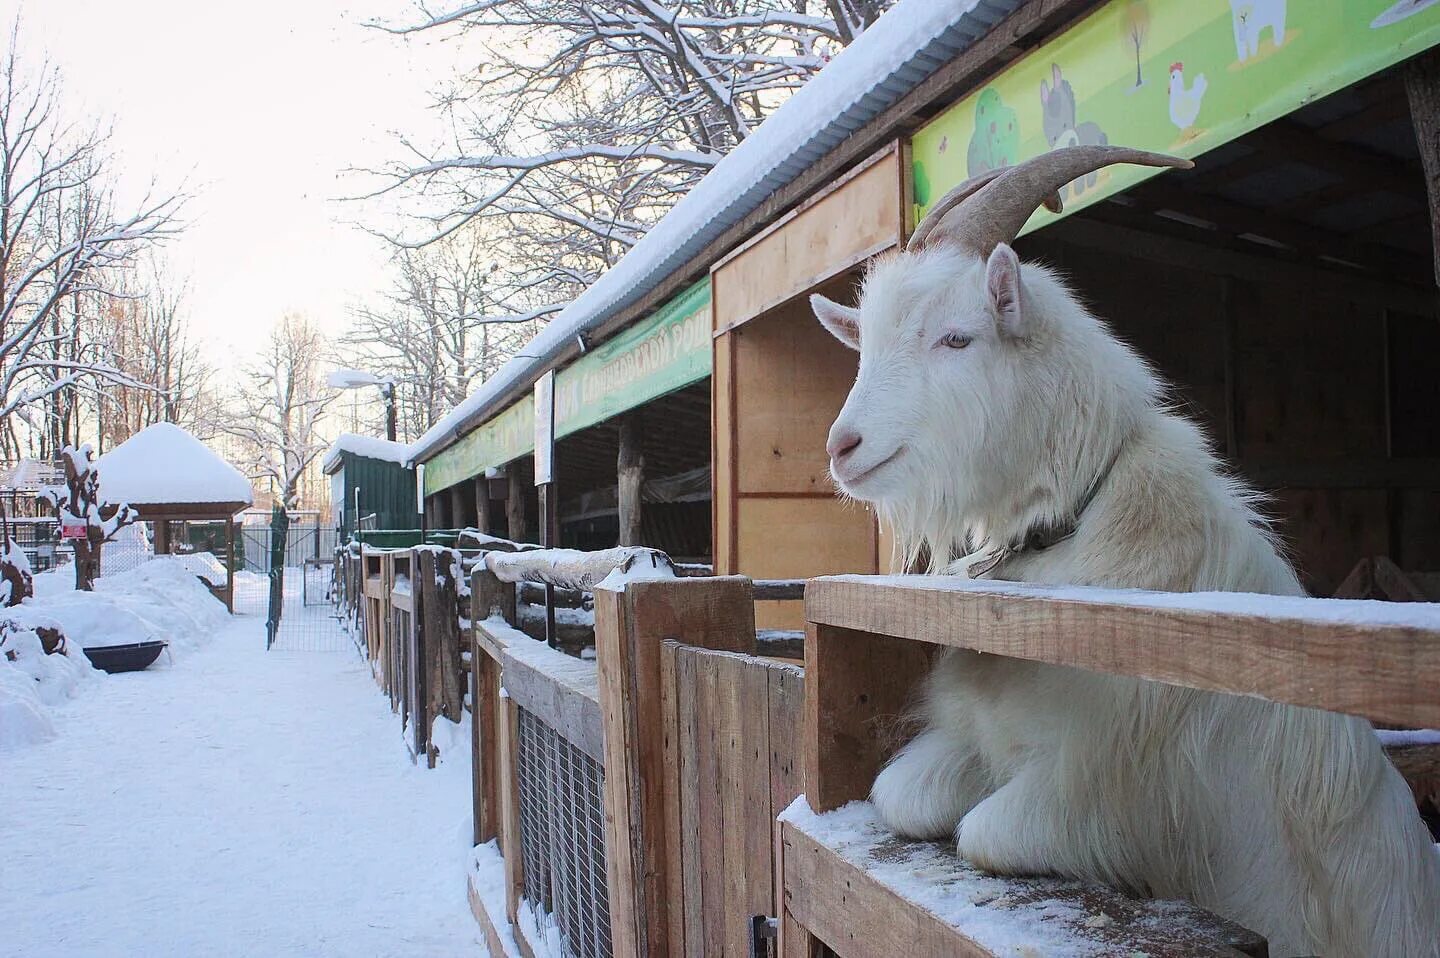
[{"x": 125, "y": 658}]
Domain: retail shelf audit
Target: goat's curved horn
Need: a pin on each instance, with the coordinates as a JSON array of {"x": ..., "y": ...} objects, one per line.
[
  {"x": 936, "y": 214},
  {"x": 995, "y": 209}
]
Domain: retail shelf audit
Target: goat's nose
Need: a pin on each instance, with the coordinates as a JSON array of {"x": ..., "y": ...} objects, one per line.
[{"x": 842, "y": 444}]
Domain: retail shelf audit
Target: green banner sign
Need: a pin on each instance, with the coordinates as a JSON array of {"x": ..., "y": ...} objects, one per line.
[
  {"x": 1177, "y": 76},
  {"x": 507, "y": 436},
  {"x": 655, "y": 356},
  {"x": 658, "y": 355}
]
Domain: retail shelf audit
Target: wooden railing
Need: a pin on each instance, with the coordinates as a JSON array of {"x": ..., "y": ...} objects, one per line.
[{"x": 870, "y": 640}]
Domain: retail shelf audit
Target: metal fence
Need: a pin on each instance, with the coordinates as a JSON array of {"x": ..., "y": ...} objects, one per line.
[
  {"x": 302, "y": 542},
  {"x": 562, "y": 837}
]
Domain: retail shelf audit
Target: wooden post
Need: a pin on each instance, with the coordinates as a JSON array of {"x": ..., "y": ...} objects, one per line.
[
  {"x": 1422, "y": 87},
  {"x": 482, "y": 503},
  {"x": 162, "y": 537},
  {"x": 630, "y": 627},
  {"x": 630, "y": 474},
  {"x": 508, "y": 740},
  {"x": 230, "y": 564},
  {"x": 459, "y": 506},
  {"x": 515, "y": 504}
]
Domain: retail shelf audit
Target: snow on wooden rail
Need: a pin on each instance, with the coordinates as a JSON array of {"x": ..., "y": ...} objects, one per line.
[
  {"x": 921, "y": 900},
  {"x": 573, "y": 569},
  {"x": 1380, "y": 660}
]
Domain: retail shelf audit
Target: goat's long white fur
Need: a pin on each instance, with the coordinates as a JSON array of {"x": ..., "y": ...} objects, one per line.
[{"x": 1289, "y": 821}]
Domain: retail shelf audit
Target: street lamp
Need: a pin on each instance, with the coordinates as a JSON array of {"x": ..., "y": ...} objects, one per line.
[{"x": 358, "y": 379}]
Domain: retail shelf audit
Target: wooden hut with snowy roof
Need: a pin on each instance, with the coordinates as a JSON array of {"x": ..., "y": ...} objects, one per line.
[
  {"x": 167, "y": 475},
  {"x": 370, "y": 485}
]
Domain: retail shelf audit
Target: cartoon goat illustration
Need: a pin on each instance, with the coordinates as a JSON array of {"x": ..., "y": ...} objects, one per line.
[{"x": 1057, "y": 104}]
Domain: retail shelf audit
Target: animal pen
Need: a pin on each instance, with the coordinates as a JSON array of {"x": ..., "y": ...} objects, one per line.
[{"x": 686, "y": 790}]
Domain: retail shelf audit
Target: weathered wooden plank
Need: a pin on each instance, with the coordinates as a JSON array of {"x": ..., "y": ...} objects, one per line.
[
  {"x": 625, "y": 862},
  {"x": 841, "y": 899},
  {"x": 787, "y": 724},
  {"x": 562, "y": 692},
  {"x": 508, "y": 738},
  {"x": 672, "y": 723},
  {"x": 709, "y": 824},
  {"x": 688, "y": 703},
  {"x": 1422, "y": 88},
  {"x": 858, "y": 685},
  {"x": 1377, "y": 660}
]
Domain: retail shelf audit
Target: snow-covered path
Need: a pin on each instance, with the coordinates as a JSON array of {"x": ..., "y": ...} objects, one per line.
[{"x": 239, "y": 803}]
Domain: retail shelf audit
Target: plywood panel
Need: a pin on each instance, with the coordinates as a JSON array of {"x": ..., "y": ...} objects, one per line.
[
  {"x": 798, "y": 538},
  {"x": 722, "y": 432},
  {"x": 858, "y": 219},
  {"x": 791, "y": 379}
]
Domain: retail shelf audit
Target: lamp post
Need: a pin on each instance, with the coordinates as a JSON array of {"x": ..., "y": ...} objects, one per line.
[{"x": 358, "y": 379}]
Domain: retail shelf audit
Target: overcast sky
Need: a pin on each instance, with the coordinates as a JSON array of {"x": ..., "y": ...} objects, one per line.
[{"x": 256, "y": 107}]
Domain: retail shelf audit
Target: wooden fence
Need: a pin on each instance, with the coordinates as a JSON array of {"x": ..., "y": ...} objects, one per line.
[{"x": 644, "y": 802}]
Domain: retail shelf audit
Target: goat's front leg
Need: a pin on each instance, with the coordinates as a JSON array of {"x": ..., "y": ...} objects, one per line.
[
  {"x": 1017, "y": 830},
  {"x": 931, "y": 784}
]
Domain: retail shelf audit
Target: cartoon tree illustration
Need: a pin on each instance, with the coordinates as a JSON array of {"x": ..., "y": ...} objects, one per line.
[{"x": 1134, "y": 28}]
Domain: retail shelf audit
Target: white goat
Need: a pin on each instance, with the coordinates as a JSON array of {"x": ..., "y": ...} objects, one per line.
[{"x": 992, "y": 412}]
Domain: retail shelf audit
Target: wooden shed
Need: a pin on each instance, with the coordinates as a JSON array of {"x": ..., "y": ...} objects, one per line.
[
  {"x": 1285, "y": 286},
  {"x": 371, "y": 485},
  {"x": 168, "y": 476}
]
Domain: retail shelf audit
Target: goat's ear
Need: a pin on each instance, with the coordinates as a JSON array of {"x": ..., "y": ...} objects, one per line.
[
  {"x": 1002, "y": 286},
  {"x": 842, "y": 321}
]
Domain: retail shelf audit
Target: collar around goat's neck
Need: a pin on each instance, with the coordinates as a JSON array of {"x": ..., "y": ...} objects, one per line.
[{"x": 1043, "y": 535}]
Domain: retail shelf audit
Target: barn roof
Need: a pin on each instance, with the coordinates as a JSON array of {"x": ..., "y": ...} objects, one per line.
[
  {"x": 904, "y": 47},
  {"x": 165, "y": 465}
]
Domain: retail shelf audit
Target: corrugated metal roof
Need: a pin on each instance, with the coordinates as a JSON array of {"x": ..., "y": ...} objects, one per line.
[{"x": 904, "y": 47}]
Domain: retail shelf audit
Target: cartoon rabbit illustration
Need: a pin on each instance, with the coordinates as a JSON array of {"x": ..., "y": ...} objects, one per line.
[
  {"x": 1058, "y": 119},
  {"x": 1250, "y": 18}
]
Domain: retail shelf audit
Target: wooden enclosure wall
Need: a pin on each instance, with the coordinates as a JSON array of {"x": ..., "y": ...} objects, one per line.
[
  {"x": 780, "y": 379},
  {"x": 736, "y": 734},
  {"x": 1307, "y": 383}
]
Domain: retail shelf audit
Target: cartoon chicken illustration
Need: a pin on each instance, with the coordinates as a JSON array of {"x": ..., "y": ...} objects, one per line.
[{"x": 1185, "y": 104}]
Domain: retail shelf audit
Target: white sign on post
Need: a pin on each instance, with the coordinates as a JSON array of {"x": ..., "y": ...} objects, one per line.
[{"x": 545, "y": 429}]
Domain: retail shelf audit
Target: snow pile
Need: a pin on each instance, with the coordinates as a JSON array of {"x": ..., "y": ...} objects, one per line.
[
  {"x": 370, "y": 447},
  {"x": 32, "y": 683},
  {"x": 162, "y": 599},
  {"x": 163, "y": 464}
]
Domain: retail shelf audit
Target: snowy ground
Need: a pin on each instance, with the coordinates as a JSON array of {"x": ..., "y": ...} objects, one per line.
[{"x": 238, "y": 803}]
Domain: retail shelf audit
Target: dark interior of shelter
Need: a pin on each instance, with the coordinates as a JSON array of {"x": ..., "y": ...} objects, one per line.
[{"x": 1286, "y": 287}]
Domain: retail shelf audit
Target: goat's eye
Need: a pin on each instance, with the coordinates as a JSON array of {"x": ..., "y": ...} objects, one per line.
[{"x": 954, "y": 340}]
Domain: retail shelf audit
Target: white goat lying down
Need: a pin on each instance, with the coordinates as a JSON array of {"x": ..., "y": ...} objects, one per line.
[{"x": 993, "y": 415}]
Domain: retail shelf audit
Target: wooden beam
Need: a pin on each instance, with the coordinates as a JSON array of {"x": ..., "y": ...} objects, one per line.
[
  {"x": 630, "y": 474},
  {"x": 1239, "y": 220},
  {"x": 1108, "y": 226},
  {"x": 482, "y": 503},
  {"x": 1422, "y": 89},
  {"x": 630, "y": 626},
  {"x": 515, "y": 504},
  {"x": 1379, "y": 662}
]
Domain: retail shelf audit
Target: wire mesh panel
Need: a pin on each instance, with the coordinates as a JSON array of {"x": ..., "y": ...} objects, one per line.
[{"x": 562, "y": 837}]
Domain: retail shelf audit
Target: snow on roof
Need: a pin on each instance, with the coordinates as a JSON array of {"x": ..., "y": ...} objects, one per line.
[
  {"x": 371, "y": 447},
  {"x": 165, "y": 464},
  {"x": 904, "y": 46}
]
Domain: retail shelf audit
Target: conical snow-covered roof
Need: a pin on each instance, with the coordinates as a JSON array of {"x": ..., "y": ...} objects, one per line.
[{"x": 165, "y": 465}]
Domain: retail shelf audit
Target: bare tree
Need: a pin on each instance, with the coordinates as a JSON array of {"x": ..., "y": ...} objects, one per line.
[
  {"x": 450, "y": 321},
  {"x": 586, "y": 119},
  {"x": 62, "y": 244},
  {"x": 78, "y": 504},
  {"x": 275, "y": 410},
  {"x": 149, "y": 342}
]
